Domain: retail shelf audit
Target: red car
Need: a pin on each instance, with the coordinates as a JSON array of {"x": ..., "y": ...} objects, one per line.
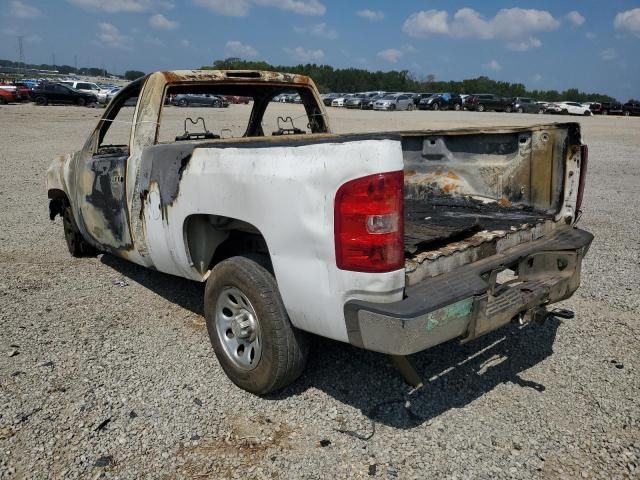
[
  {"x": 8, "y": 96},
  {"x": 23, "y": 90},
  {"x": 237, "y": 99}
]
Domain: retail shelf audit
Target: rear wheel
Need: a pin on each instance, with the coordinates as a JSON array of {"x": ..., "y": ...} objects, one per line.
[
  {"x": 456, "y": 107},
  {"x": 256, "y": 344},
  {"x": 587, "y": 113},
  {"x": 520, "y": 110},
  {"x": 481, "y": 108},
  {"x": 41, "y": 100},
  {"x": 77, "y": 245},
  {"x": 508, "y": 110},
  {"x": 626, "y": 113},
  {"x": 81, "y": 102},
  {"x": 183, "y": 103},
  {"x": 436, "y": 107}
]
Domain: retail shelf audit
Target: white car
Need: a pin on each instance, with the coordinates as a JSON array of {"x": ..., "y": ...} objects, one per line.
[
  {"x": 89, "y": 87},
  {"x": 397, "y": 101},
  {"x": 339, "y": 102},
  {"x": 574, "y": 108}
]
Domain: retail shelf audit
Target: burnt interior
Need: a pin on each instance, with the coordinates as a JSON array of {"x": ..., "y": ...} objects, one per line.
[{"x": 439, "y": 219}]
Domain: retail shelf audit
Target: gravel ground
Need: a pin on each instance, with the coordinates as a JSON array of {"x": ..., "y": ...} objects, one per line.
[{"x": 106, "y": 370}]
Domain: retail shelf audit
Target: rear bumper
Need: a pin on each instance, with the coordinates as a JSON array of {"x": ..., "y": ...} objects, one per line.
[{"x": 469, "y": 301}]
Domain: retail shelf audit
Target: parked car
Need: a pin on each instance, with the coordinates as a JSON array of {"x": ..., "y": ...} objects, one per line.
[
  {"x": 200, "y": 100},
  {"x": 48, "y": 93},
  {"x": 609, "y": 108},
  {"x": 631, "y": 108},
  {"x": 88, "y": 87},
  {"x": 368, "y": 105},
  {"x": 525, "y": 105},
  {"x": 339, "y": 101},
  {"x": 111, "y": 93},
  {"x": 482, "y": 102},
  {"x": 24, "y": 89},
  {"x": 357, "y": 101},
  {"x": 595, "y": 107},
  {"x": 15, "y": 92},
  {"x": 573, "y": 108},
  {"x": 396, "y": 101},
  {"x": 419, "y": 96},
  {"x": 347, "y": 261},
  {"x": 8, "y": 96},
  {"x": 237, "y": 99},
  {"x": 441, "y": 101},
  {"x": 327, "y": 98}
]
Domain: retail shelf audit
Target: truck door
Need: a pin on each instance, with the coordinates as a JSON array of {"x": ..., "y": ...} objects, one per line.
[{"x": 101, "y": 179}]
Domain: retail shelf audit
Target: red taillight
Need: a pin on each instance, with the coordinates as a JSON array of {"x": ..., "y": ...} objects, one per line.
[
  {"x": 584, "y": 160},
  {"x": 369, "y": 223}
]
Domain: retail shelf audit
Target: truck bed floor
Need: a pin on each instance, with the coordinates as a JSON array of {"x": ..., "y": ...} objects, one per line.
[{"x": 433, "y": 222}]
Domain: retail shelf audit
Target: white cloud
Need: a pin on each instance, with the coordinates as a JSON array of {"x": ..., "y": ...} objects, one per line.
[
  {"x": 110, "y": 36},
  {"x": 493, "y": 65},
  {"x": 629, "y": 21},
  {"x": 235, "y": 8},
  {"x": 523, "y": 46},
  {"x": 508, "y": 23},
  {"x": 575, "y": 18},
  {"x": 537, "y": 78},
  {"x": 319, "y": 30},
  {"x": 424, "y": 23},
  {"x": 302, "y": 54},
  {"x": 391, "y": 55},
  {"x": 234, "y": 48},
  {"x": 409, "y": 48},
  {"x": 161, "y": 22},
  {"x": 20, "y": 9},
  {"x": 301, "y": 7},
  {"x": 609, "y": 54},
  {"x": 114, "y": 6},
  {"x": 371, "y": 15},
  {"x": 241, "y": 8}
]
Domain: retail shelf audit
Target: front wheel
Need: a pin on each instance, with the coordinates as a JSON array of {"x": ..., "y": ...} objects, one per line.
[
  {"x": 507, "y": 110},
  {"x": 520, "y": 110},
  {"x": 481, "y": 108},
  {"x": 436, "y": 107},
  {"x": 183, "y": 103},
  {"x": 77, "y": 245},
  {"x": 41, "y": 100},
  {"x": 81, "y": 102},
  {"x": 256, "y": 344},
  {"x": 456, "y": 107},
  {"x": 587, "y": 113},
  {"x": 410, "y": 107},
  {"x": 627, "y": 113}
]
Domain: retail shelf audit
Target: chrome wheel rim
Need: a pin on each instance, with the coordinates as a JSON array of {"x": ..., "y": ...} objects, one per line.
[{"x": 238, "y": 328}]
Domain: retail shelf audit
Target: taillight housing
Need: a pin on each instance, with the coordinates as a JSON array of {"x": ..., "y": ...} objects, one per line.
[
  {"x": 369, "y": 223},
  {"x": 584, "y": 160}
]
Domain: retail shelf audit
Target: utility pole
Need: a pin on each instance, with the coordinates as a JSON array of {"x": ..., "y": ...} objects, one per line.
[
  {"x": 75, "y": 62},
  {"x": 20, "y": 51},
  {"x": 53, "y": 57}
]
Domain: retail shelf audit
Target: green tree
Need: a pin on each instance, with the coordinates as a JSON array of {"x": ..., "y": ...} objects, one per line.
[{"x": 133, "y": 74}]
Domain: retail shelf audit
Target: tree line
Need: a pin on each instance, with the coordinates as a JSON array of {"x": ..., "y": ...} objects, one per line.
[{"x": 344, "y": 80}]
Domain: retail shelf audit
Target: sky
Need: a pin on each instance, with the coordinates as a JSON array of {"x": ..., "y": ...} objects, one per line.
[{"x": 593, "y": 45}]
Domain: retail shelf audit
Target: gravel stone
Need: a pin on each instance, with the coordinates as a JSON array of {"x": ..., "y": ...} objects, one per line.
[{"x": 553, "y": 401}]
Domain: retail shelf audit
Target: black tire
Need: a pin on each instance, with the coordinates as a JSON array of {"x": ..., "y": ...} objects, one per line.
[
  {"x": 284, "y": 349},
  {"x": 520, "y": 110},
  {"x": 41, "y": 100},
  {"x": 77, "y": 245},
  {"x": 81, "y": 102},
  {"x": 587, "y": 113},
  {"x": 605, "y": 112},
  {"x": 392, "y": 107},
  {"x": 481, "y": 108},
  {"x": 2, "y": 101},
  {"x": 508, "y": 110},
  {"x": 456, "y": 107},
  {"x": 626, "y": 113},
  {"x": 540, "y": 111},
  {"x": 216, "y": 104},
  {"x": 564, "y": 112},
  {"x": 183, "y": 103},
  {"x": 435, "y": 107}
]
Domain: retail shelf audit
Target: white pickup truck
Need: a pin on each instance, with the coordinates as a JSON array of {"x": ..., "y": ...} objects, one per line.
[{"x": 393, "y": 242}]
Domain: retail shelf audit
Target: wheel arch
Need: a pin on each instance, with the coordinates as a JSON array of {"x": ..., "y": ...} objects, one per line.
[{"x": 210, "y": 239}]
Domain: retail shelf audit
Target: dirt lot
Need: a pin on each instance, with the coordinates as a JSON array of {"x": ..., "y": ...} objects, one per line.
[{"x": 106, "y": 370}]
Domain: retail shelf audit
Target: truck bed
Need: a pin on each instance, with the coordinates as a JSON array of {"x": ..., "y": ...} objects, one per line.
[{"x": 442, "y": 219}]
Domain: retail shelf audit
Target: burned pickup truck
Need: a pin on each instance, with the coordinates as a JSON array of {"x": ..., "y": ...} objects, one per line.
[{"x": 393, "y": 241}]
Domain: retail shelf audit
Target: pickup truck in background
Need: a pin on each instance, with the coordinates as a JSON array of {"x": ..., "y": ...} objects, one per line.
[
  {"x": 486, "y": 102},
  {"x": 393, "y": 241}
]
